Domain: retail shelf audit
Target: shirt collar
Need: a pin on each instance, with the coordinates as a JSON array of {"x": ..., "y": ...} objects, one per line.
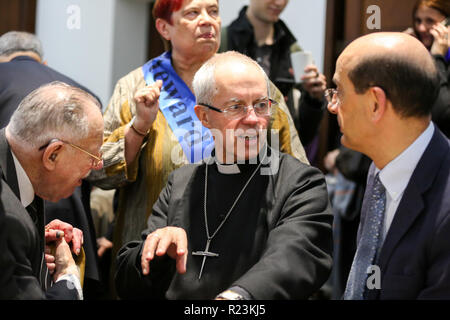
[
  {"x": 25, "y": 187},
  {"x": 227, "y": 168},
  {"x": 235, "y": 168},
  {"x": 397, "y": 173}
]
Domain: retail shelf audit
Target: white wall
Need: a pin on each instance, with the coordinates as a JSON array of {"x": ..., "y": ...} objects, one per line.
[
  {"x": 305, "y": 19},
  {"x": 108, "y": 42}
]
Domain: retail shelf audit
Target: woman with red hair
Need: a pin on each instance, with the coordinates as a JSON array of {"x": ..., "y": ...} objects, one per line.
[{"x": 150, "y": 125}]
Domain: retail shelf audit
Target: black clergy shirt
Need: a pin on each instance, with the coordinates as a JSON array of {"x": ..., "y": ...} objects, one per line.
[{"x": 275, "y": 244}]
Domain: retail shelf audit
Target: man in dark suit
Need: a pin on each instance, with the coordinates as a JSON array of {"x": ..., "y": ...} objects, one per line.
[
  {"x": 51, "y": 143},
  {"x": 23, "y": 70},
  {"x": 386, "y": 86}
]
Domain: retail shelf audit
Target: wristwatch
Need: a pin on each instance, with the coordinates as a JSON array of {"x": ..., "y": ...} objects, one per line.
[{"x": 229, "y": 295}]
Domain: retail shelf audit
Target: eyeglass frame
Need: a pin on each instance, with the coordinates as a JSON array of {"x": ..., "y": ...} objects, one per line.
[
  {"x": 225, "y": 111},
  {"x": 331, "y": 92},
  {"x": 97, "y": 159}
]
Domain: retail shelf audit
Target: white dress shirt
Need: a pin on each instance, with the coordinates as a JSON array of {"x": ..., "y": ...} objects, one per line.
[
  {"x": 396, "y": 174},
  {"x": 26, "y": 198}
]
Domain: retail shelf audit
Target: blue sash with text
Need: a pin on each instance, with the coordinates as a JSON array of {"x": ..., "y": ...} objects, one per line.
[{"x": 177, "y": 103}]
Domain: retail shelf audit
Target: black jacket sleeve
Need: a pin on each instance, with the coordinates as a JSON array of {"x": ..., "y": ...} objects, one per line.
[
  {"x": 130, "y": 282},
  {"x": 297, "y": 258}
]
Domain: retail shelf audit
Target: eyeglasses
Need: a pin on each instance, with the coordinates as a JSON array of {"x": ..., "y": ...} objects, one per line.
[
  {"x": 332, "y": 97},
  {"x": 262, "y": 108},
  {"x": 97, "y": 161}
]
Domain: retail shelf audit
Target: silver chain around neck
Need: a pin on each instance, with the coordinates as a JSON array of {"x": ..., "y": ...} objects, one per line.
[{"x": 206, "y": 253}]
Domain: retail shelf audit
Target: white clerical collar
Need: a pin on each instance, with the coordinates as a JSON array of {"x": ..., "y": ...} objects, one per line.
[
  {"x": 233, "y": 168},
  {"x": 25, "y": 187},
  {"x": 396, "y": 174},
  {"x": 223, "y": 168}
]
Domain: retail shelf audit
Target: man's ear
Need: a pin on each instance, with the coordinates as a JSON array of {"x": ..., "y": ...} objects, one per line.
[
  {"x": 202, "y": 115},
  {"x": 52, "y": 155},
  {"x": 162, "y": 27},
  {"x": 378, "y": 104}
]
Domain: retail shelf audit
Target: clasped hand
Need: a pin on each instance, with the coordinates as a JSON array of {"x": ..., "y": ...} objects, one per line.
[{"x": 59, "y": 260}]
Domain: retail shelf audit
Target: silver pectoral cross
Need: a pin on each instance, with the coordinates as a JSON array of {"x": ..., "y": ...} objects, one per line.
[{"x": 205, "y": 254}]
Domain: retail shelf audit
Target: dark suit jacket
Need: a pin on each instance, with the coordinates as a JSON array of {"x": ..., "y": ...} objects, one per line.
[
  {"x": 415, "y": 257},
  {"x": 26, "y": 268},
  {"x": 7, "y": 284},
  {"x": 18, "y": 78}
]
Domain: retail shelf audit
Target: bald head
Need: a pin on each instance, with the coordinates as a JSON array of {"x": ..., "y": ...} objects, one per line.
[
  {"x": 394, "y": 44},
  {"x": 397, "y": 63}
]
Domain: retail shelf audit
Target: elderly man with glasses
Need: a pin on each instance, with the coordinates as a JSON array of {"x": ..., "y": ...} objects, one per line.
[
  {"x": 247, "y": 223},
  {"x": 51, "y": 143}
]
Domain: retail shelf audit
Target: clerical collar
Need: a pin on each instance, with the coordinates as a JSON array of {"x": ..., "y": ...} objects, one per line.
[
  {"x": 227, "y": 168},
  {"x": 25, "y": 187},
  {"x": 235, "y": 168}
]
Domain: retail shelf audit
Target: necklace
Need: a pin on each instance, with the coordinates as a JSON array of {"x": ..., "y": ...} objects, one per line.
[{"x": 206, "y": 253}]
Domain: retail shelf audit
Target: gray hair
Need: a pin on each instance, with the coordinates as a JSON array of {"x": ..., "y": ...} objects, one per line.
[
  {"x": 204, "y": 83},
  {"x": 54, "y": 110},
  {"x": 15, "y": 41}
]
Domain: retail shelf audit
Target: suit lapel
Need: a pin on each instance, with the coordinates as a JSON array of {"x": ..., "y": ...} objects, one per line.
[
  {"x": 412, "y": 203},
  {"x": 7, "y": 164}
]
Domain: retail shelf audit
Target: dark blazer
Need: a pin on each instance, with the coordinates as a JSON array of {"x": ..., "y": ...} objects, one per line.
[
  {"x": 18, "y": 78},
  {"x": 8, "y": 287},
  {"x": 26, "y": 268},
  {"x": 415, "y": 257}
]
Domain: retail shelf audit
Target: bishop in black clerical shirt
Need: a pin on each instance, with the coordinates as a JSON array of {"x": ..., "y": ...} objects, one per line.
[{"x": 248, "y": 222}]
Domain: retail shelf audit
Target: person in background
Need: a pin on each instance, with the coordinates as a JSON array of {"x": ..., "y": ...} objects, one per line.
[
  {"x": 259, "y": 33},
  {"x": 431, "y": 26}
]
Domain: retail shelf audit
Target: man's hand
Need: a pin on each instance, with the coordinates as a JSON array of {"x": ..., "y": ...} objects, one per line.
[
  {"x": 57, "y": 229},
  {"x": 314, "y": 82},
  {"x": 169, "y": 240},
  {"x": 147, "y": 105},
  {"x": 62, "y": 260}
]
